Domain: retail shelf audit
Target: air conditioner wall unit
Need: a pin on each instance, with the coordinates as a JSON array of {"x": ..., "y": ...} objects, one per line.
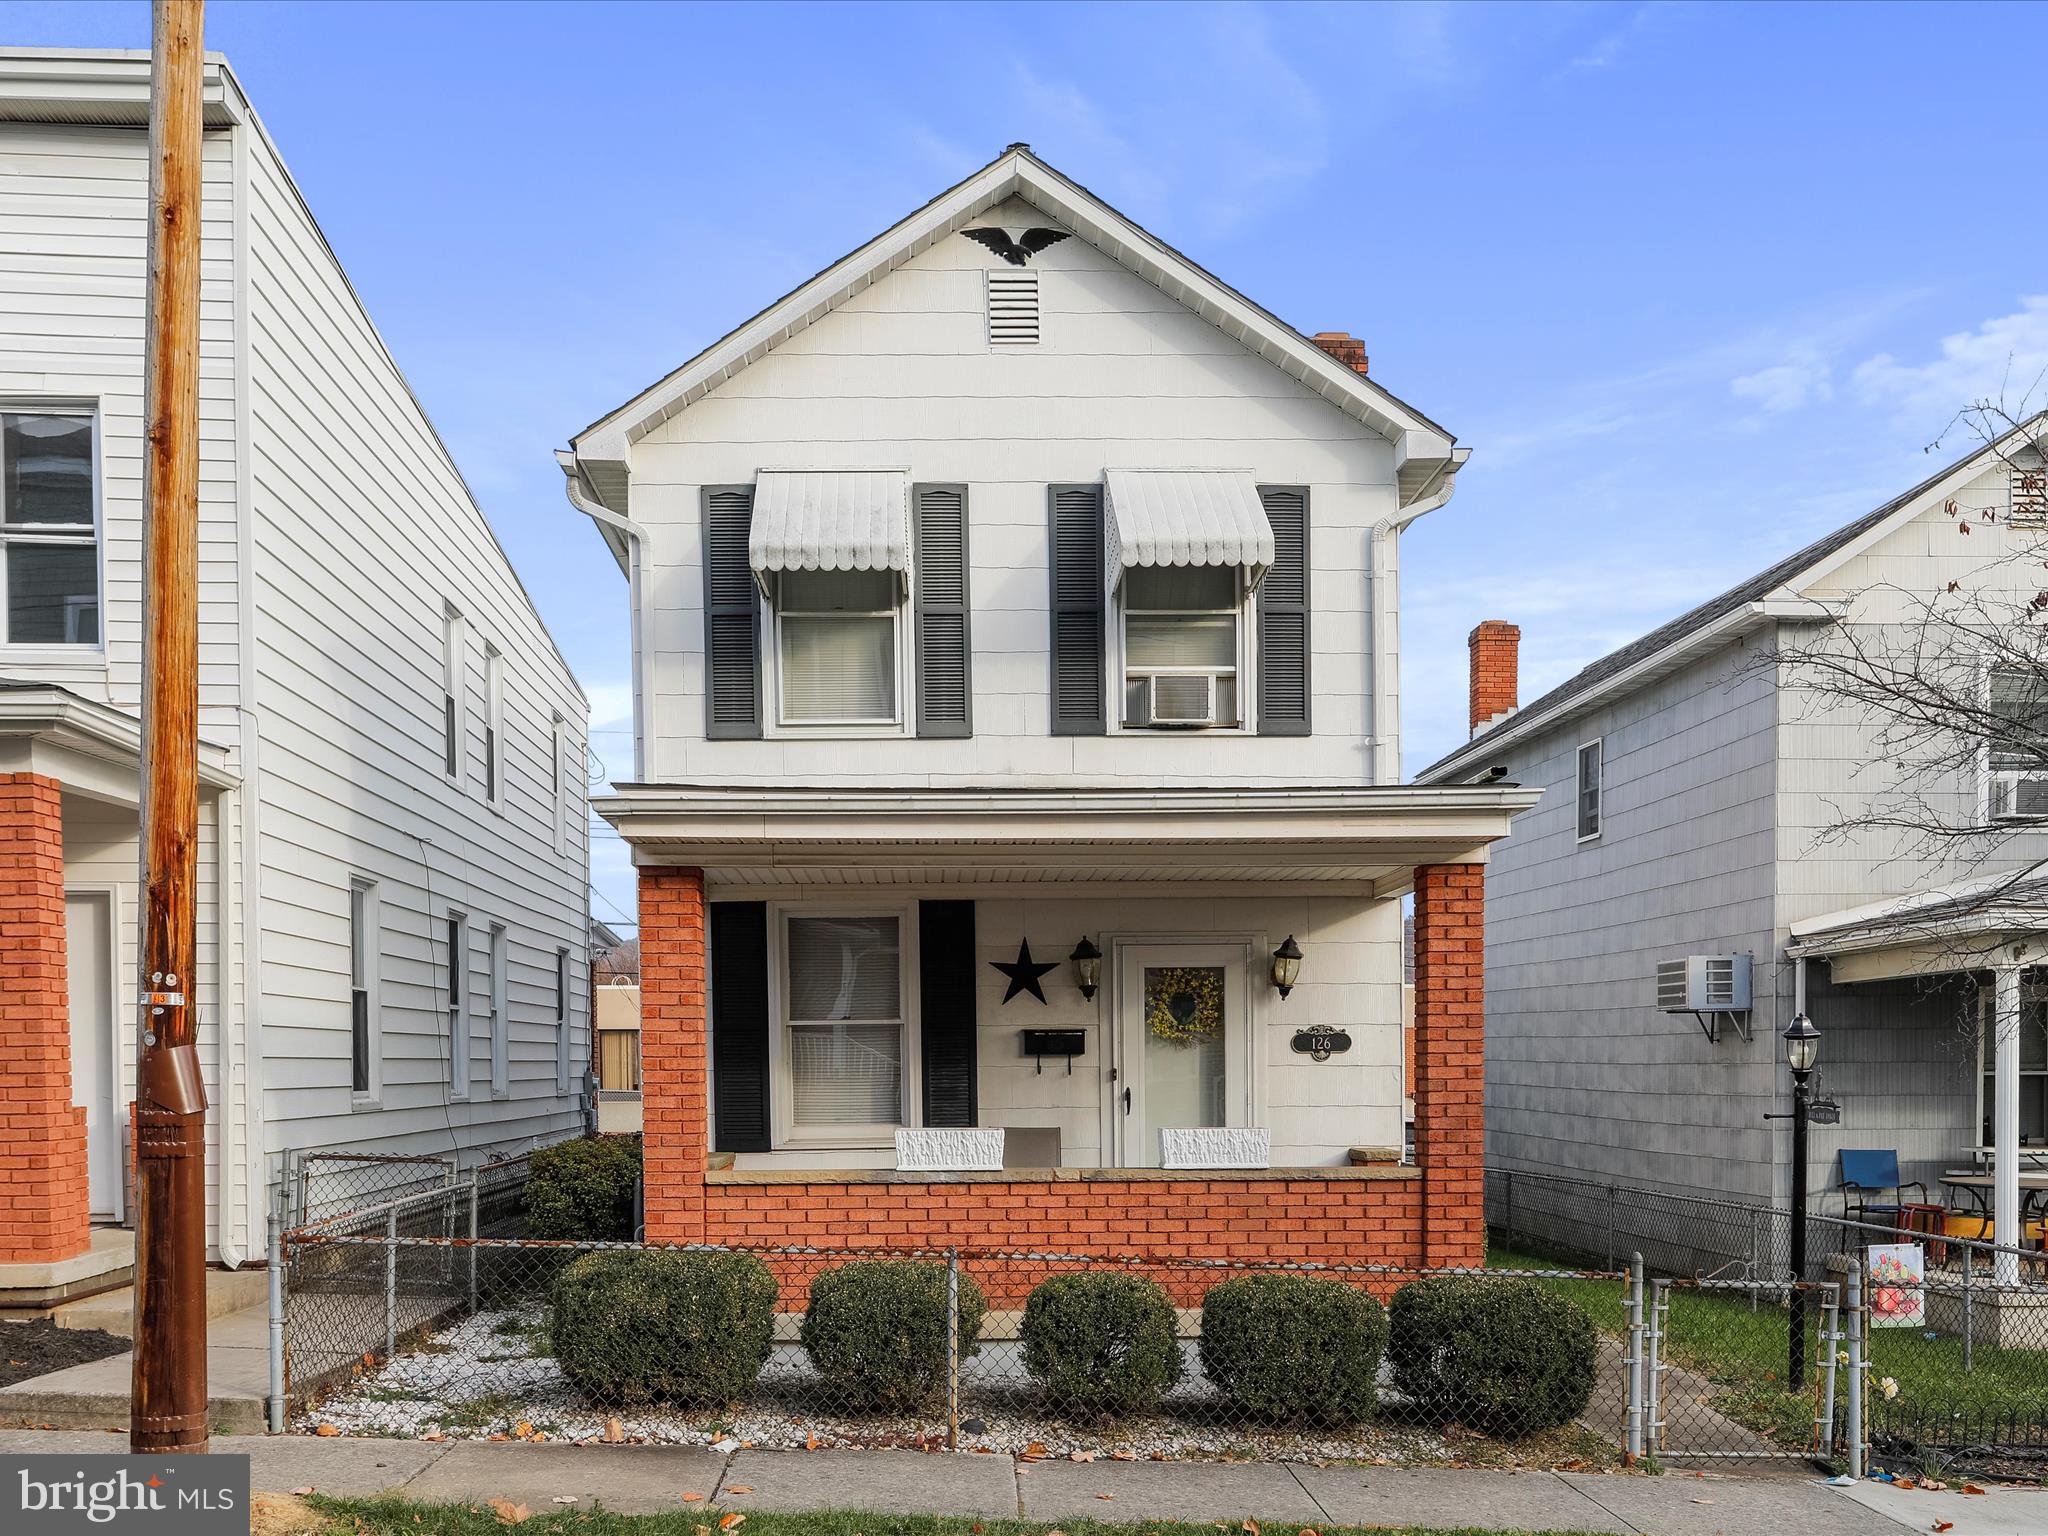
[
  {"x": 1183, "y": 698},
  {"x": 1709, "y": 987},
  {"x": 2017, "y": 795}
]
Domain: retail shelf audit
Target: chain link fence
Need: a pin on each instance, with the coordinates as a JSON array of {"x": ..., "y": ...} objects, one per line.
[
  {"x": 1955, "y": 1349},
  {"x": 404, "y": 1329}
]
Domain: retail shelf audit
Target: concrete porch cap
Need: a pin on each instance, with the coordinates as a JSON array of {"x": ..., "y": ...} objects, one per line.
[{"x": 1374, "y": 836}]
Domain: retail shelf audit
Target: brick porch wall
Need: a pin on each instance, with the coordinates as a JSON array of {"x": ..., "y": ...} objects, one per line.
[
  {"x": 45, "y": 1201},
  {"x": 1434, "y": 1219}
]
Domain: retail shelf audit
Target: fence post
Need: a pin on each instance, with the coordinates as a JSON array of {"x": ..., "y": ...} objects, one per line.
[
  {"x": 391, "y": 1284},
  {"x": 1831, "y": 1325},
  {"x": 276, "y": 1257},
  {"x": 1610, "y": 1225},
  {"x": 1632, "y": 1448},
  {"x": 1969, "y": 1310},
  {"x": 1756, "y": 1250},
  {"x": 305, "y": 1182},
  {"x": 952, "y": 1349},
  {"x": 472, "y": 1240},
  {"x": 1653, "y": 1340},
  {"x": 1507, "y": 1184},
  {"x": 1854, "y": 1426}
]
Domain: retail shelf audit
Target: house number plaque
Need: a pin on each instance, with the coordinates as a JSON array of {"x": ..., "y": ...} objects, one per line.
[{"x": 1319, "y": 1042}]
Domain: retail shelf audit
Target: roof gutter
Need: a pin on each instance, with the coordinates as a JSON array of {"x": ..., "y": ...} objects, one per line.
[
  {"x": 628, "y": 542},
  {"x": 1384, "y": 577}
]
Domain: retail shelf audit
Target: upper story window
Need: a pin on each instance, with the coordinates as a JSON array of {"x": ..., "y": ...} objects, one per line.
[
  {"x": 494, "y": 726},
  {"x": 1590, "y": 769},
  {"x": 2018, "y": 749},
  {"x": 49, "y": 546},
  {"x": 452, "y": 704},
  {"x": 837, "y": 641},
  {"x": 1182, "y": 633}
]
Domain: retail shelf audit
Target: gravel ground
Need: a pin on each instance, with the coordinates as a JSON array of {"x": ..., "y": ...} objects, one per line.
[
  {"x": 28, "y": 1350},
  {"x": 490, "y": 1377}
]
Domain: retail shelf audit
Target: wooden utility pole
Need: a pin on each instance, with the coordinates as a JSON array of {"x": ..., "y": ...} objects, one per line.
[{"x": 167, "y": 1409}]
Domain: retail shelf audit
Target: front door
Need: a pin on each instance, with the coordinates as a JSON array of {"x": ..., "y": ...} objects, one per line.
[
  {"x": 1182, "y": 1058},
  {"x": 89, "y": 963}
]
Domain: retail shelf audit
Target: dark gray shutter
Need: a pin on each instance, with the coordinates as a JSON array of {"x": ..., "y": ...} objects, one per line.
[
  {"x": 739, "y": 1026},
  {"x": 1283, "y": 616},
  {"x": 732, "y": 616},
  {"x": 945, "y": 992},
  {"x": 945, "y": 693},
  {"x": 1077, "y": 594}
]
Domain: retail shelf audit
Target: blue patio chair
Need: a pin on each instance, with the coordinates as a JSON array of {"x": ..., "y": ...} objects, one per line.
[{"x": 1872, "y": 1171}]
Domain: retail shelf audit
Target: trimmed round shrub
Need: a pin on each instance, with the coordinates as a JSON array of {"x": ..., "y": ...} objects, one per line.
[
  {"x": 1101, "y": 1342},
  {"x": 1505, "y": 1356},
  {"x": 876, "y": 1331},
  {"x": 652, "y": 1325},
  {"x": 582, "y": 1190},
  {"x": 1294, "y": 1349}
]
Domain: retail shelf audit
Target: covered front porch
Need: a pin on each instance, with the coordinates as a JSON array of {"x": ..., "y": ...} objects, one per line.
[
  {"x": 1107, "y": 1019},
  {"x": 1936, "y": 1010}
]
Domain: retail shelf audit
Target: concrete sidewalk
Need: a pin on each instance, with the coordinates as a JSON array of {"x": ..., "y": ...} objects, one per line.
[{"x": 648, "y": 1479}]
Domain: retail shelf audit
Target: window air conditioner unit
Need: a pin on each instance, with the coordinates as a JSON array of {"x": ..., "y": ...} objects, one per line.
[
  {"x": 1710, "y": 988},
  {"x": 1186, "y": 699},
  {"x": 2018, "y": 796}
]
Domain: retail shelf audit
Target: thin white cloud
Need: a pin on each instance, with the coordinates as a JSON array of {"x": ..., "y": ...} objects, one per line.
[
  {"x": 1608, "y": 48},
  {"x": 1805, "y": 377},
  {"x": 2002, "y": 361}
]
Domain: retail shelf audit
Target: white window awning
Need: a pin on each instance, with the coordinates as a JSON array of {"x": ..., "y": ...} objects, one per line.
[
  {"x": 830, "y": 520},
  {"x": 1185, "y": 517}
]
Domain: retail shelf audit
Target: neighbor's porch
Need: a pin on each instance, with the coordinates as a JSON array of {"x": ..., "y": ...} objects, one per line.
[{"x": 1068, "y": 1019}]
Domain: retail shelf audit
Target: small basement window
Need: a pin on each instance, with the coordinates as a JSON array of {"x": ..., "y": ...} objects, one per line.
[{"x": 1181, "y": 633}]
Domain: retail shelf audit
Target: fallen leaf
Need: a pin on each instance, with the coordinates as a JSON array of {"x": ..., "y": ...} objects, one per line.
[
  {"x": 564, "y": 1498},
  {"x": 507, "y": 1512},
  {"x": 1080, "y": 1455},
  {"x": 741, "y": 1488},
  {"x": 1943, "y": 1525},
  {"x": 811, "y": 1444},
  {"x": 1934, "y": 1485},
  {"x": 522, "y": 1429},
  {"x": 1971, "y": 1488},
  {"x": 614, "y": 1431},
  {"x": 693, "y": 1498},
  {"x": 1703, "y": 1501},
  {"x": 731, "y": 1521},
  {"x": 1250, "y": 1527},
  {"x": 302, "y": 1492},
  {"x": 1105, "y": 1496},
  {"x": 1123, "y": 1455},
  {"x": 433, "y": 1435},
  {"x": 326, "y": 1430}
]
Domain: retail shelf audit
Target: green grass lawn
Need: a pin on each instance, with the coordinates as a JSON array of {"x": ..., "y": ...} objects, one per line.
[
  {"x": 398, "y": 1517},
  {"x": 1744, "y": 1351}
]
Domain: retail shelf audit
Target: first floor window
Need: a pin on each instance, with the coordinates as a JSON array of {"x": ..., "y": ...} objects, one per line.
[
  {"x": 836, "y": 642},
  {"x": 1181, "y": 645},
  {"x": 618, "y": 1060},
  {"x": 501, "y": 1066},
  {"x": 844, "y": 1001},
  {"x": 362, "y": 962},
  {"x": 49, "y": 549},
  {"x": 456, "y": 936},
  {"x": 1589, "y": 791},
  {"x": 2033, "y": 1066},
  {"x": 561, "y": 1021}
]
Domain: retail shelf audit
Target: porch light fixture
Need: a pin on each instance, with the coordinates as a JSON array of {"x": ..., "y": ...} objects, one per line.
[
  {"x": 1286, "y": 965},
  {"x": 1802, "y": 1047},
  {"x": 1802, "y": 1050},
  {"x": 1087, "y": 963}
]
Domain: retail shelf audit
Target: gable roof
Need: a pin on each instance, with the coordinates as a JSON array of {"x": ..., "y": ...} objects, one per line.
[
  {"x": 1769, "y": 595},
  {"x": 1425, "y": 453}
]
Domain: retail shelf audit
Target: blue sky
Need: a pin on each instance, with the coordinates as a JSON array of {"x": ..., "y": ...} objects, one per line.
[{"x": 1696, "y": 283}]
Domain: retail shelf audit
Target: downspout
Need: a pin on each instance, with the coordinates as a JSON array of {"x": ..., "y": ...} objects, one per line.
[
  {"x": 584, "y": 500},
  {"x": 1386, "y": 626}
]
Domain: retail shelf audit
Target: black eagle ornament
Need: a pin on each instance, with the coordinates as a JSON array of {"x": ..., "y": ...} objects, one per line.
[
  {"x": 1016, "y": 252},
  {"x": 1024, "y": 972}
]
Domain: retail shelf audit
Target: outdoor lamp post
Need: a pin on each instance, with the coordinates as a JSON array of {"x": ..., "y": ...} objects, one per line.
[
  {"x": 1802, "y": 1050},
  {"x": 1087, "y": 963},
  {"x": 1286, "y": 965}
]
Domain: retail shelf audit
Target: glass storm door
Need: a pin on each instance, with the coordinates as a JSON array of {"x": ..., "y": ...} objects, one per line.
[
  {"x": 89, "y": 969},
  {"x": 1182, "y": 1044}
]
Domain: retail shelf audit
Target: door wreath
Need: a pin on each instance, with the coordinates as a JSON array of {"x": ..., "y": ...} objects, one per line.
[{"x": 1184, "y": 1003}]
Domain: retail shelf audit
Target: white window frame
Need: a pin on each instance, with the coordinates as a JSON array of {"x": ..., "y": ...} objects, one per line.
[
  {"x": 1598, "y": 747},
  {"x": 454, "y": 695},
  {"x": 902, "y": 723},
  {"x": 1988, "y": 778},
  {"x": 1246, "y": 674},
  {"x": 494, "y": 727},
  {"x": 455, "y": 1001},
  {"x": 2031, "y": 991},
  {"x": 782, "y": 1093},
  {"x": 57, "y": 534},
  {"x": 562, "y": 1031},
  {"x": 496, "y": 944},
  {"x": 365, "y": 980},
  {"x": 559, "y": 798}
]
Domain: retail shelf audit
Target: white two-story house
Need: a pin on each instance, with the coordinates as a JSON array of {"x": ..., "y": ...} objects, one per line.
[
  {"x": 1015, "y": 643},
  {"x": 393, "y": 863}
]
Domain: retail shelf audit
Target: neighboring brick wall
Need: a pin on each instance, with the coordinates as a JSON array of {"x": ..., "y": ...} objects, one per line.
[
  {"x": 675, "y": 1018},
  {"x": 1496, "y": 649},
  {"x": 1450, "y": 1071},
  {"x": 45, "y": 1199}
]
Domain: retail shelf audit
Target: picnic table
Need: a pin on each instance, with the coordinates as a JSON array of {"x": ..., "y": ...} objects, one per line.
[{"x": 1978, "y": 1186}]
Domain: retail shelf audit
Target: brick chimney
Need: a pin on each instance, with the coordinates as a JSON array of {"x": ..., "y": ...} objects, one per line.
[
  {"x": 1496, "y": 649},
  {"x": 1344, "y": 347}
]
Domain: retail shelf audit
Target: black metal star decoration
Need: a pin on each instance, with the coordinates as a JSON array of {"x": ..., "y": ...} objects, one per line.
[{"x": 1024, "y": 972}]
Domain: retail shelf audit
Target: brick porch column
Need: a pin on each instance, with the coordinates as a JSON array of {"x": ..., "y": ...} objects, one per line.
[
  {"x": 675, "y": 1020},
  {"x": 1450, "y": 1082},
  {"x": 45, "y": 1202}
]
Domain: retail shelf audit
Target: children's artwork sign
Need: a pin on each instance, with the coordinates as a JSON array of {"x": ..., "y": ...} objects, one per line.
[{"x": 1895, "y": 1281}]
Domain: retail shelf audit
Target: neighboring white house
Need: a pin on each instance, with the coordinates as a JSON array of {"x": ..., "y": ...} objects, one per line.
[
  {"x": 1697, "y": 803},
  {"x": 1017, "y": 582},
  {"x": 394, "y": 865}
]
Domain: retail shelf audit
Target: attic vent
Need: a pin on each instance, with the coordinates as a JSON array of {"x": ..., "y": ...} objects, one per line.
[
  {"x": 2029, "y": 489},
  {"x": 1013, "y": 309}
]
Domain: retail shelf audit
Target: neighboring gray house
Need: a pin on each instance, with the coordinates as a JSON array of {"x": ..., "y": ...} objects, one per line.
[{"x": 1693, "y": 793}]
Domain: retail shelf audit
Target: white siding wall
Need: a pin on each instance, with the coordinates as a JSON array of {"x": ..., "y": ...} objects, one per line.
[
  {"x": 363, "y": 533},
  {"x": 902, "y": 376}
]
